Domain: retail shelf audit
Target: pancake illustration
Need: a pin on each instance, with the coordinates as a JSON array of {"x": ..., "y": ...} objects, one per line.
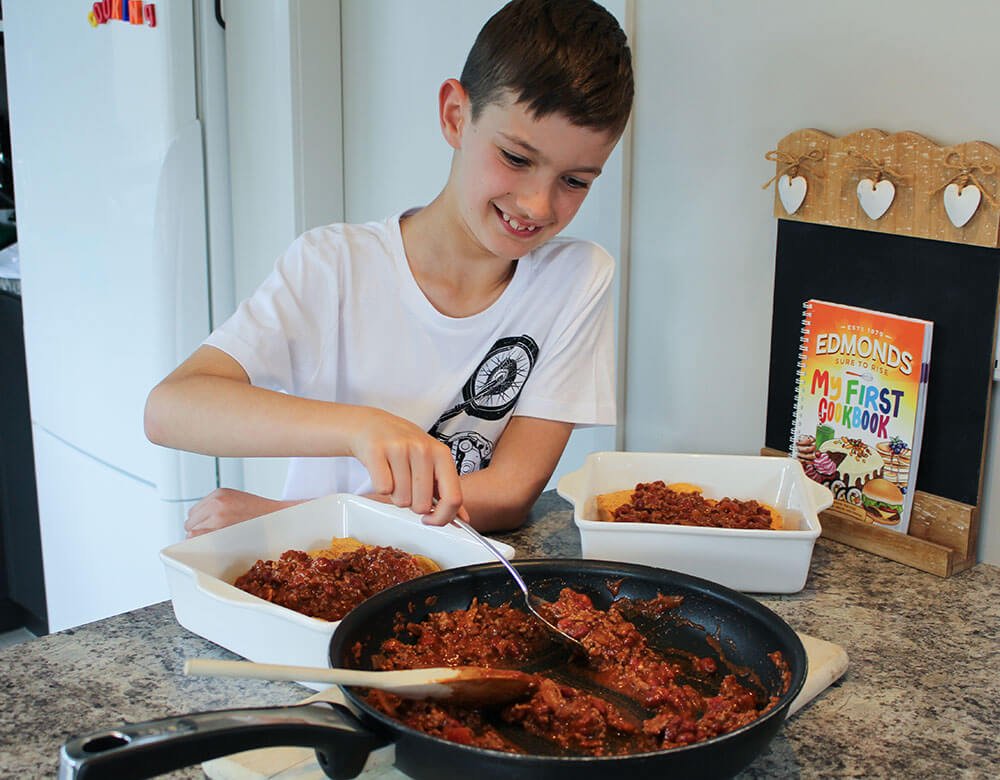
[{"x": 896, "y": 455}]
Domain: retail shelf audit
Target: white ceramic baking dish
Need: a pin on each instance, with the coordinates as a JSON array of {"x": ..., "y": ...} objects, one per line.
[
  {"x": 200, "y": 572},
  {"x": 759, "y": 561}
]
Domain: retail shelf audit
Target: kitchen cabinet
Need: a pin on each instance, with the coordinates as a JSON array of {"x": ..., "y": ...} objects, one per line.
[{"x": 22, "y": 588}]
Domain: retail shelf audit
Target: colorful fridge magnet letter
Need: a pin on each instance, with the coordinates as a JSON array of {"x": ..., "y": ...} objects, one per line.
[{"x": 791, "y": 184}]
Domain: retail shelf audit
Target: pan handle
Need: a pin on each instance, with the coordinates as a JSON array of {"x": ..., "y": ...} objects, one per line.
[{"x": 138, "y": 750}]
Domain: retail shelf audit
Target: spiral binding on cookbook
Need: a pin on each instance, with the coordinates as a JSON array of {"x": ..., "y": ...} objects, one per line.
[{"x": 799, "y": 370}]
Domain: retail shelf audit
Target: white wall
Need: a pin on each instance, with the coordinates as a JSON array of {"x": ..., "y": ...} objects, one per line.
[{"x": 718, "y": 83}]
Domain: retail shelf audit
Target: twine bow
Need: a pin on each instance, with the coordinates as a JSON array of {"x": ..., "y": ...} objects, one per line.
[
  {"x": 882, "y": 169},
  {"x": 792, "y": 164},
  {"x": 966, "y": 173}
]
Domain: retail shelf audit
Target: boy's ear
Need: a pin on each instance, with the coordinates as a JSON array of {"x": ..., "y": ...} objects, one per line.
[{"x": 453, "y": 111}]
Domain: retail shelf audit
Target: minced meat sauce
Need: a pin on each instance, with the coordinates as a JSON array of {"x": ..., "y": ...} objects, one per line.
[
  {"x": 650, "y": 702},
  {"x": 654, "y": 502},
  {"x": 481, "y": 635},
  {"x": 328, "y": 588}
]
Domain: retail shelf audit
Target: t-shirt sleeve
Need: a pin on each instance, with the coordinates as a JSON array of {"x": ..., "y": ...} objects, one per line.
[
  {"x": 574, "y": 378},
  {"x": 278, "y": 334}
]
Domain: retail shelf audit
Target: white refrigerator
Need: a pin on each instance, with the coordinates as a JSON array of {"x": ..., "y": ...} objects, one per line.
[{"x": 121, "y": 178}]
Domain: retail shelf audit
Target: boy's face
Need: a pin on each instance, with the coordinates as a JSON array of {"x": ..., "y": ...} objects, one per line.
[{"x": 520, "y": 179}]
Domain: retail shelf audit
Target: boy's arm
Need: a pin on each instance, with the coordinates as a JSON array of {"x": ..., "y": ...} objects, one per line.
[
  {"x": 499, "y": 497},
  {"x": 208, "y": 405},
  {"x": 496, "y": 498}
]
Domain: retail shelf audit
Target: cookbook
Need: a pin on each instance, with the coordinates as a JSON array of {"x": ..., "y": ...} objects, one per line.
[{"x": 861, "y": 393}]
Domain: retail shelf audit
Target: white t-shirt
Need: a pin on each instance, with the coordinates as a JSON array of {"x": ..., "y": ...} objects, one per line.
[{"x": 341, "y": 318}]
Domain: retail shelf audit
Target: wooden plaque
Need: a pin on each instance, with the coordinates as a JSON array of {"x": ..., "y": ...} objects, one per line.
[{"x": 912, "y": 261}]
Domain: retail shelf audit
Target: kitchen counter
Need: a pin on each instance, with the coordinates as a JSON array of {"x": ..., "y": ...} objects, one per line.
[{"x": 921, "y": 697}]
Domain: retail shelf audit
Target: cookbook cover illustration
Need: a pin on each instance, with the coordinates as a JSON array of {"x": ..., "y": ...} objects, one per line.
[{"x": 860, "y": 399}]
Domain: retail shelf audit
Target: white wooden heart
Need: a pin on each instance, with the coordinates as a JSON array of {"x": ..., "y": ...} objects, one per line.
[
  {"x": 962, "y": 203},
  {"x": 792, "y": 192},
  {"x": 874, "y": 198}
]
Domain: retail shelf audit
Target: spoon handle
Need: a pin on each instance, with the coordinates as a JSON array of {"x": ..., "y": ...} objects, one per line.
[
  {"x": 215, "y": 667},
  {"x": 531, "y": 601},
  {"x": 398, "y": 678},
  {"x": 492, "y": 548}
]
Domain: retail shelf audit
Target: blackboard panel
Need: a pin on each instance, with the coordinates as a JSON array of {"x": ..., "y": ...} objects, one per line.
[{"x": 954, "y": 285}]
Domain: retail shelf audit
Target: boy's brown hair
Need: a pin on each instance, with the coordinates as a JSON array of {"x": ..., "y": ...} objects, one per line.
[{"x": 555, "y": 56}]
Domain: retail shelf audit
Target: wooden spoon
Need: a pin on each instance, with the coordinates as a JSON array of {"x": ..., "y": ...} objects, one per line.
[{"x": 461, "y": 684}]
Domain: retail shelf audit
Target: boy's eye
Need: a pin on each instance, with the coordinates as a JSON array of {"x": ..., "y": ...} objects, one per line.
[
  {"x": 513, "y": 159},
  {"x": 576, "y": 184}
]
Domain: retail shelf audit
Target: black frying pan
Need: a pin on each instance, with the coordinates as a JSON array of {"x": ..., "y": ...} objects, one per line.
[{"x": 711, "y": 619}]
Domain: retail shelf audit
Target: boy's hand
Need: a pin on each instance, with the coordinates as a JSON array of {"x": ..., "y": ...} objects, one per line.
[
  {"x": 462, "y": 513},
  {"x": 224, "y": 506},
  {"x": 408, "y": 466}
]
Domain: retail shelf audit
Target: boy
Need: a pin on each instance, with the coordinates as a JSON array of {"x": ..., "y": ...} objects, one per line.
[{"x": 441, "y": 358}]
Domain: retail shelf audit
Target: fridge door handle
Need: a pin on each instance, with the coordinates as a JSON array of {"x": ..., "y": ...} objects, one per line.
[{"x": 180, "y": 257}]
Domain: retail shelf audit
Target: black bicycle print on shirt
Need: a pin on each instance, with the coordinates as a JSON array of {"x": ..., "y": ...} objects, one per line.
[{"x": 489, "y": 394}]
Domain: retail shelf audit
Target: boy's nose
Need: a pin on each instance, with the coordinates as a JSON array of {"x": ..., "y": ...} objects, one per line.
[{"x": 536, "y": 204}]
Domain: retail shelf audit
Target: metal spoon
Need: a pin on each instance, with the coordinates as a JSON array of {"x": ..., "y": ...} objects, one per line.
[
  {"x": 460, "y": 684},
  {"x": 531, "y": 601}
]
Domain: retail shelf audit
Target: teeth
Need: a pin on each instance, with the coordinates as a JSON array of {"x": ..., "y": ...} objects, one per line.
[{"x": 515, "y": 224}]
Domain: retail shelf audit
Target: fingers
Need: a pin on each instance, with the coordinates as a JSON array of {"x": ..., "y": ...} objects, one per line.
[
  {"x": 399, "y": 460},
  {"x": 199, "y": 516},
  {"x": 424, "y": 479},
  {"x": 422, "y": 475},
  {"x": 449, "y": 491},
  {"x": 224, "y": 506},
  {"x": 381, "y": 475},
  {"x": 407, "y": 465}
]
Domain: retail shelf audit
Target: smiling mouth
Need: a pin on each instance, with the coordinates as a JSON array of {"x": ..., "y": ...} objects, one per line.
[{"x": 516, "y": 226}]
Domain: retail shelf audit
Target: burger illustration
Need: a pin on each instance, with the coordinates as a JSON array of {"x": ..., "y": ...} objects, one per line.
[{"x": 882, "y": 501}]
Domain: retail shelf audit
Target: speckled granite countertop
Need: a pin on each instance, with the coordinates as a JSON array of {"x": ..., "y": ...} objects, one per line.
[{"x": 920, "y": 699}]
